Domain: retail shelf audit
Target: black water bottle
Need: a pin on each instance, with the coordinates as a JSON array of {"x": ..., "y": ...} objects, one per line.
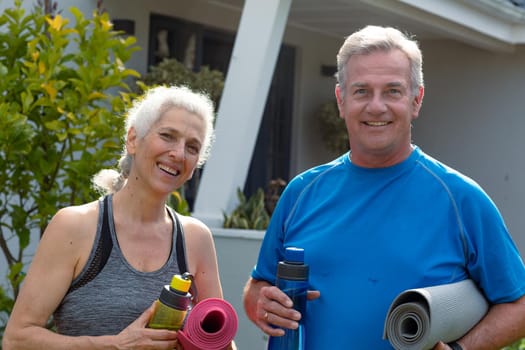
[{"x": 292, "y": 279}]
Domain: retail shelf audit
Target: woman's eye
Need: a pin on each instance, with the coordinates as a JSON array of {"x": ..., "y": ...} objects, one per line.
[
  {"x": 166, "y": 136},
  {"x": 193, "y": 149}
]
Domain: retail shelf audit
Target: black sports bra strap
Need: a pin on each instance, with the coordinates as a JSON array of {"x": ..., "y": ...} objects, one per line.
[
  {"x": 179, "y": 244},
  {"x": 102, "y": 252},
  {"x": 181, "y": 257}
]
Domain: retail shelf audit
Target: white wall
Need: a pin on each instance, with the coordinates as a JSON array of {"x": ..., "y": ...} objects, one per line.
[
  {"x": 237, "y": 252},
  {"x": 311, "y": 90},
  {"x": 473, "y": 118}
]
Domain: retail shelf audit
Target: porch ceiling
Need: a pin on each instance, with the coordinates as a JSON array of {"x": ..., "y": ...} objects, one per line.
[{"x": 496, "y": 25}]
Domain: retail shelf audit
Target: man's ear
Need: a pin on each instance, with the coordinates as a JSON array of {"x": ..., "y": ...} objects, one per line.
[
  {"x": 131, "y": 140},
  {"x": 340, "y": 98},
  {"x": 417, "y": 102}
]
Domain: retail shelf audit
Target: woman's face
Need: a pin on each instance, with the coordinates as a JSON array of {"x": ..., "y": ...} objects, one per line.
[{"x": 168, "y": 154}]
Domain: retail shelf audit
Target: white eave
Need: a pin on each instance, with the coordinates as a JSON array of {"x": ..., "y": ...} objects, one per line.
[{"x": 491, "y": 24}]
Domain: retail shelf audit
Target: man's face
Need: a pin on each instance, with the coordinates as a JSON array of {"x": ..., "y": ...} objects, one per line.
[{"x": 378, "y": 107}]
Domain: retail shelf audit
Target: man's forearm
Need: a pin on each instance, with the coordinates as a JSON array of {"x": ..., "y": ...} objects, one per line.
[{"x": 501, "y": 326}]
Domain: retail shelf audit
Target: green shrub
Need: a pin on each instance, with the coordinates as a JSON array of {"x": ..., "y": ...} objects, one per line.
[
  {"x": 332, "y": 127},
  {"x": 172, "y": 72},
  {"x": 519, "y": 345},
  {"x": 249, "y": 213},
  {"x": 64, "y": 90},
  {"x": 179, "y": 203}
]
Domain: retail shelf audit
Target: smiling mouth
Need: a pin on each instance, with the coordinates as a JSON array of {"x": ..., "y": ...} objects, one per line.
[
  {"x": 168, "y": 170},
  {"x": 376, "y": 123}
]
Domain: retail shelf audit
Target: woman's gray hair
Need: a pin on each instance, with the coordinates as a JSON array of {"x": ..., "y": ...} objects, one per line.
[
  {"x": 146, "y": 111},
  {"x": 375, "y": 38}
]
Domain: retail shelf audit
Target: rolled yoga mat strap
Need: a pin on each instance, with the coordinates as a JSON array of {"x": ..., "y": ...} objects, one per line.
[
  {"x": 418, "y": 318},
  {"x": 455, "y": 346}
]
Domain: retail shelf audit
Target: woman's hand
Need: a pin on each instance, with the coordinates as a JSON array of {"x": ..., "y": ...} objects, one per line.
[{"x": 138, "y": 336}]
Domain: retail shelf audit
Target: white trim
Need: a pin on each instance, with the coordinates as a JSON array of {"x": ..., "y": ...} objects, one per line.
[
  {"x": 242, "y": 104},
  {"x": 238, "y": 233},
  {"x": 467, "y": 20}
]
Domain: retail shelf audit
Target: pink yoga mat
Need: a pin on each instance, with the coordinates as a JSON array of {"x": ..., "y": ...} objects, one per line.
[{"x": 211, "y": 325}]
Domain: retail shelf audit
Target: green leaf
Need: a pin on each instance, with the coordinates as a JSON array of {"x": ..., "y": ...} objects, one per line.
[
  {"x": 249, "y": 213},
  {"x": 61, "y": 119},
  {"x": 54, "y": 125}
]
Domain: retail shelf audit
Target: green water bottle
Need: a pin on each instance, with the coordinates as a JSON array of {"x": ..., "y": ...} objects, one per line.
[{"x": 172, "y": 305}]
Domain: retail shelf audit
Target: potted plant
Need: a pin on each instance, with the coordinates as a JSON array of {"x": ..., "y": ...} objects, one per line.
[
  {"x": 333, "y": 128},
  {"x": 250, "y": 214}
]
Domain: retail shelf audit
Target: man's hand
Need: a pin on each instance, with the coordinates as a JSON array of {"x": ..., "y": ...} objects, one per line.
[
  {"x": 270, "y": 308},
  {"x": 443, "y": 346}
]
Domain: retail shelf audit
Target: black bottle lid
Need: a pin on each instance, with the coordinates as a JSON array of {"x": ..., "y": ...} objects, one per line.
[
  {"x": 293, "y": 266},
  {"x": 174, "y": 299}
]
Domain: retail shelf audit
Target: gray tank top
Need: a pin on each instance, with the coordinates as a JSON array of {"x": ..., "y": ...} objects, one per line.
[{"x": 109, "y": 301}]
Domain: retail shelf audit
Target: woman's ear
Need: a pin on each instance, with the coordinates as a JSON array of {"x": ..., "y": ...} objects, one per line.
[{"x": 131, "y": 140}]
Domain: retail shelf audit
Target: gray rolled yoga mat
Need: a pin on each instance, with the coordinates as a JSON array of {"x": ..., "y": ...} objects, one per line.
[{"x": 419, "y": 318}]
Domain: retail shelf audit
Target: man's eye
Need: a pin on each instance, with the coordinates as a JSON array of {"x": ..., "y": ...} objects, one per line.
[{"x": 360, "y": 92}]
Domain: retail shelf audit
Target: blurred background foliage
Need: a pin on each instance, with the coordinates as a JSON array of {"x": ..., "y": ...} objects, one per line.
[{"x": 64, "y": 91}]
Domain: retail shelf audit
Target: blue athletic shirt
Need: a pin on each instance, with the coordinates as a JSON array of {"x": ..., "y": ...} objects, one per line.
[{"x": 371, "y": 233}]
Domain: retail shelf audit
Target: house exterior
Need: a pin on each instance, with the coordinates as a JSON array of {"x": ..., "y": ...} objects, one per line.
[
  {"x": 473, "y": 115},
  {"x": 474, "y": 63}
]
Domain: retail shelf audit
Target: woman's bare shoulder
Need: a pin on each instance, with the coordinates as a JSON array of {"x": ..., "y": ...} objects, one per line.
[
  {"x": 194, "y": 227},
  {"x": 68, "y": 238},
  {"x": 74, "y": 220},
  {"x": 191, "y": 221},
  {"x": 202, "y": 259},
  {"x": 80, "y": 210}
]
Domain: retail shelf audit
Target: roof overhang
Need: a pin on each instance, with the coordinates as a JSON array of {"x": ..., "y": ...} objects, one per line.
[
  {"x": 495, "y": 25},
  {"x": 492, "y": 24}
]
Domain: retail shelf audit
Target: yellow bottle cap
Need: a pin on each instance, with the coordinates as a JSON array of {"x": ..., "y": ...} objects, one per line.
[{"x": 180, "y": 284}]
